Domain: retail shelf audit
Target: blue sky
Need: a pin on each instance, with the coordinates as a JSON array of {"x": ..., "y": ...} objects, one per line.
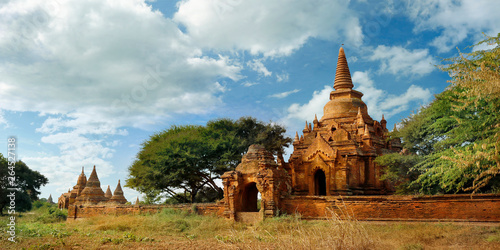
[{"x": 84, "y": 83}]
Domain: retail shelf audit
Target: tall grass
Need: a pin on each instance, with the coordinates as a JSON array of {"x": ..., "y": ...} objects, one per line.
[
  {"x": 173, "y": 229},
  {"x": 291, "y": 232}
]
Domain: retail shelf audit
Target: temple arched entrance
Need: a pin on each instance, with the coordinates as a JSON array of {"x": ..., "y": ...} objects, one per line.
[
  {"x": 249, "y": 198},
  {"x": 319, "y": 182}
]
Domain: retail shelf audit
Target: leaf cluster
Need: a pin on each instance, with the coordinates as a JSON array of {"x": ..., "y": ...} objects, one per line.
[
  {"x": 457, "y": 136},
  {"x": 27, "y": 184}
]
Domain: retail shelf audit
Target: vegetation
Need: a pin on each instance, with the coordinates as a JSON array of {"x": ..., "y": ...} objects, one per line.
[
  {"x": 27, "y": 184},
  {"x": 173, "y": 229},
  {"x": 190, "y": 158},
  {"x": 453, "y": 144}
]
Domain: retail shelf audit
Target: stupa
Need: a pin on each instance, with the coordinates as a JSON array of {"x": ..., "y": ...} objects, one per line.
[
  {"x": 108, "y": 193},
  {"x": 335, "y": 155},
  {"x": 118, "y": 195},
  {"x": 92, "y": 193},
  {"x": 78, "y": 188}
]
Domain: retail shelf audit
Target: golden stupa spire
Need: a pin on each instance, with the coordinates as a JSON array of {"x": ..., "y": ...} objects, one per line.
[{"x": 342, "y": 76}]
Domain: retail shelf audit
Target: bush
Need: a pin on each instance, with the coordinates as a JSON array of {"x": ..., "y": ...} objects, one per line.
[
  {"x": 52, "y": 214},
  {"x": 39, "y": 203}
]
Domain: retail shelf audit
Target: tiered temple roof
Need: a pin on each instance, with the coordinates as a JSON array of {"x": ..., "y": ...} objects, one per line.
[
  {"x": 118, "y": 195},
  {"x": 90, "y": 192}
]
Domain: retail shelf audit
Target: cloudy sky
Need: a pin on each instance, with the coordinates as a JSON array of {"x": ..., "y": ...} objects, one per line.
[{"x": 84, "y": 83}]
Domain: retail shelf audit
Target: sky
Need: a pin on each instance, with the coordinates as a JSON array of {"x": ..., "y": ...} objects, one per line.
[{"x": 85, "y": 82}]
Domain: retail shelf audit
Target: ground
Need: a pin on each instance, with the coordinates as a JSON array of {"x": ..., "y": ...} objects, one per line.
[{"x": 44, "y": 229}]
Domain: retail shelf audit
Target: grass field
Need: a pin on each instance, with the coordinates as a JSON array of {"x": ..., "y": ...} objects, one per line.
[{"x": 45, "y": 228}]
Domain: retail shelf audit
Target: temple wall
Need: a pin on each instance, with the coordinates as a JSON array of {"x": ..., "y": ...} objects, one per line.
[
  {"x": 482, "y": 207},
  {"x": 83, "y": 211}
]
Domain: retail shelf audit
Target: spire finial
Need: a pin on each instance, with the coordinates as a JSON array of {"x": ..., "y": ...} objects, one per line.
[{"x": 342, "y": 76}]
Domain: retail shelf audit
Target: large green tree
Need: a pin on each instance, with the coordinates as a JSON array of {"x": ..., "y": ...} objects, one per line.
[
  {"x": 454, "y": 142},
  {"x": 188, "y": 159},
  {"x": 27, "y": 183}
]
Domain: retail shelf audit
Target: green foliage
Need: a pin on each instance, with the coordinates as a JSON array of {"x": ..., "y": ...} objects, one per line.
[
  {"x": 27, "y": 184},
  {"x": 48, "y": 213},
  {"x": 40, "y": 203},
  {"x": 456, "y": 137},
  {"x": 54, "y": 215},
  {"x": 400, "y": 170},
  {"x": 191, "y": 158}
]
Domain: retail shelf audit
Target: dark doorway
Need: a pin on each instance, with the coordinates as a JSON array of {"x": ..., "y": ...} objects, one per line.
[
  {"x": 319, "y": 182},
  {"x": 250, "y": 198}
]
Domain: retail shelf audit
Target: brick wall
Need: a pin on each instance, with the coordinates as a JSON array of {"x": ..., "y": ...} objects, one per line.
[
  {"x": 483, "y": 207},
  {"x": 77, "y": 212}
]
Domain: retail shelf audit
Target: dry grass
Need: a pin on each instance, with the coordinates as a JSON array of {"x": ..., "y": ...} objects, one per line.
[{"x": 179, "y": 230}]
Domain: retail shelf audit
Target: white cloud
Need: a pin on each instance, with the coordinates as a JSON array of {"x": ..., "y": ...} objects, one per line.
[
  {"x": 456, "y": 19},
  {"x": 271, "y": 28},
  {"x": 119, "y": 55},
  {"x": 306, "y": 111},
  {"x": 381, "y": 102},
  {"x": 249, "y": 84},
  {"x": 258, "y": 66},
  {"x": 96, "y": 66},
  {"x": 400, "y": 61},
  {"x": 284, "y": 94},
  {"x": 2, "y": 119},
  {"x": 352, "y": 59},
  {"x": 283, "y": 77},
  {"x": 62, "y": 171}
]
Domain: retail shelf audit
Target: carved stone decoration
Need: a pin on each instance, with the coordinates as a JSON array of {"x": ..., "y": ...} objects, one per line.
[
  {"x": 319, "y": 145},
  {"x": 257, "y": 173},
  {"x": 340, "y": 135}
]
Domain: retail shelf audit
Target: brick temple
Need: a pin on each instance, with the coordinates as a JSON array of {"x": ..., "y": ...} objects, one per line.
[
  {"x": 89, "y": 192},
  {"x": 335, "y": 155}
]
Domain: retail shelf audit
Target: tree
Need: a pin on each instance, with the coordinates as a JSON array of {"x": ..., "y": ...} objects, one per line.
[
  {"x": 476, "y": 86},
  {"x": 457, "y": 136},
  {"x": 190, "y": 158},
  {"x": 27, "y": 184}
]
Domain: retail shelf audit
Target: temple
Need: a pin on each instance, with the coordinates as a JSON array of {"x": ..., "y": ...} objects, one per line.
[
  {"x": 89, "y": 192},
  {"x": 335, "y": 155}
]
